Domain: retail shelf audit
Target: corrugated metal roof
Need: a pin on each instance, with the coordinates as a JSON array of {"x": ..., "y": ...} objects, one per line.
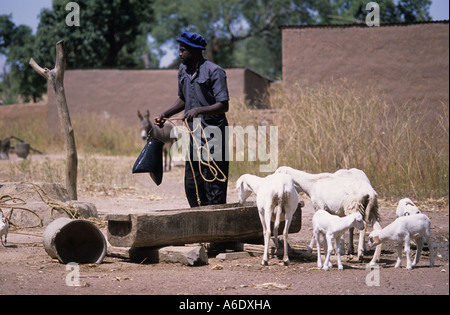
[{"x": 359, "y": 25}]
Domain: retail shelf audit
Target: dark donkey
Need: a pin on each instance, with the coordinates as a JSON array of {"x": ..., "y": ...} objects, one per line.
[{"x": 163, "y": 134}]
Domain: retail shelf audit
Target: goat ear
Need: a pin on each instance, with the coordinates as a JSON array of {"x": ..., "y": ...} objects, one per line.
[
  {"x": 297, "y": 188},
  {"x": 140, "y": 115},
  {"x": 148, "y": 114},
  {"x": 250, "y": 188},
  {"x": 242, "y": 186}
]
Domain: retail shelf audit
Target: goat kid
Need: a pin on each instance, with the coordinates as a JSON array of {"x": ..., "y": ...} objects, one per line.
[
  {"x": 276, "y": 200},
  {"x": 332, "y": 228},
  {"x": 402, "y": 231},
  {"x": 350, "y": 173},
  {"x": 340, "y": 195},
  {"x": 406, "y": 207}
]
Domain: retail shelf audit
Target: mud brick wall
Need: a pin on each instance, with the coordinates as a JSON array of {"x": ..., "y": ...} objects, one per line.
[
  {"x": 121, "y": 93},
  {"x": 402, "y": 61}
]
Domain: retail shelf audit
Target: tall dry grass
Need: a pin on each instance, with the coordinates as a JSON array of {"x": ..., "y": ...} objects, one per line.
[
  {"x": 95, "y": 137},
  {"x": 28, "y": 129},
  {"x": 96, "y": 134},
  {"x": 97, "y": 174},
  {"x": 320, "y": 129},
  {"x": 337, "y": 126},
  {"x": 93, "y": 134}
]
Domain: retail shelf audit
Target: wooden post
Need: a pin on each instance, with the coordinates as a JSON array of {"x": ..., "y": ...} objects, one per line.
[{"x": 56, "y": 78}]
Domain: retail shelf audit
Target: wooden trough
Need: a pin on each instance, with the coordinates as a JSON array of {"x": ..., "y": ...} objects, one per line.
[{"x": 218, "y": 223}]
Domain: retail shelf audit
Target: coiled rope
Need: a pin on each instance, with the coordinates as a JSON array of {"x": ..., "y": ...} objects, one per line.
[
  {"x": 13, "y": 203},
  {"x": 213, "y": 167}
]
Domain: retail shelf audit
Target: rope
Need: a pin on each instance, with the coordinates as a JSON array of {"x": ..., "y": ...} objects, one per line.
[
  {"x": 13, "y": 203},
  {"x": 214, "y": 169},
  {"x": 69, "y": 209}
]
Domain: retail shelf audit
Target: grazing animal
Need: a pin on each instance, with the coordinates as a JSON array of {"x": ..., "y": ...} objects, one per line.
[
  {"x": 163, "y": 134},
  {"x": 340, "y": 195},
  {"x": 402, "y": 231},
  {"x": 5, "y": 146},
  {"x": 406, "y": 207},
  {"x": 276, "y": 198},
  {"x": 333, "y": 227},
  {"x": 3, "y": 229},
  {"x": 351, "y": 173}
]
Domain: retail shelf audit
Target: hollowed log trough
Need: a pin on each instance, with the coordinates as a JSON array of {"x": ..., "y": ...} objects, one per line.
[{"x": 218, "y": 223}]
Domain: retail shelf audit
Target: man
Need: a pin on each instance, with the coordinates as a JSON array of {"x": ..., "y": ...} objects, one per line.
[{"x": 203, "y": 94}]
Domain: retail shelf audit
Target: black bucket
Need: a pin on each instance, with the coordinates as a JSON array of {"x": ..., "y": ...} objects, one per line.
[{"x": 150, "y": 160}]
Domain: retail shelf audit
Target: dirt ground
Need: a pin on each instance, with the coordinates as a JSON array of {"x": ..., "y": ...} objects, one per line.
[{"x": 25, "y": 267}]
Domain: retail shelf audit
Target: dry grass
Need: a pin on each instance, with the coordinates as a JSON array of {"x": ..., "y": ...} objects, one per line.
[
  {"x": 106, "y": 136},
  {"x": 320, "y": 130},
  {"x": 97, "y": 175},
  {"x": 94, "y": 136},
  {"x": 337, "y": 126}
]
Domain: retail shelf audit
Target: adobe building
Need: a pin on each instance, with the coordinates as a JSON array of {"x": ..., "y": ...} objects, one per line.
[
  {"x": 405, "y": 62},
  {"x": 121, "y": 93}
]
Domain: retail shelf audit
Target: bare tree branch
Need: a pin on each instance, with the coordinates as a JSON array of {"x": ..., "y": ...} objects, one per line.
[{"x": 55, "y": 78}]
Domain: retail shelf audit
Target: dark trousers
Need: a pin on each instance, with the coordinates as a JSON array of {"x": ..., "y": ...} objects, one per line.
[{"x": 210, "y": 193}]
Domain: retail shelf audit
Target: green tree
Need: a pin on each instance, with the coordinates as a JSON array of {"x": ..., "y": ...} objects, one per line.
[
  {"x": 239, "y": 32},
  {"x": 6, "y": 32},
  {"x": 24, "y": 82},
  {"x": 112, "y": 34},
  {"x": 246, "y": 32},
  {"x": 414, "y": 10},
  {"x": 17, "y": 44},
  {"x": 354, "y": 11}
]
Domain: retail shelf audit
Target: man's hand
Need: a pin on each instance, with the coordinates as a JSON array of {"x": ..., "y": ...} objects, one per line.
[
  {"x": 192, "y": 113},
  {"x": 160, "y": 120}
]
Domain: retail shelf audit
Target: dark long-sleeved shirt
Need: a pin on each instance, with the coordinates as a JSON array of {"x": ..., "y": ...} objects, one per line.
[{"x": 206, "y": 87}]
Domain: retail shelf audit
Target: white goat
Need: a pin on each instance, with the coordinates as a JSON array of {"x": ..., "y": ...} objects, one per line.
[
  {"x": 276, "y": 198},
  {"x": 401, "y": 231},
  {"x": 406, "y": 207},
  {"x": 340, "y": 195},
  {"x": 352, "y": 173},
  {"x": 3, "y": 229},
  {"x": 333, "y": 227}
]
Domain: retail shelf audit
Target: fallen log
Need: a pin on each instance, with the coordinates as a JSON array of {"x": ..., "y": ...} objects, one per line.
[{"x": 218, "y": 223}]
